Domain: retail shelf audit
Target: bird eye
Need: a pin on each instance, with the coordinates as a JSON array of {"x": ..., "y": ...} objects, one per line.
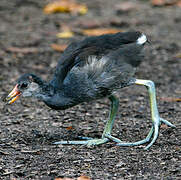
[{"x": 24, "y": 85}]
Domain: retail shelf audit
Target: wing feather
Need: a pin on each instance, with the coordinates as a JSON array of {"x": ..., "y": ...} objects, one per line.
[{"x": 78, "y": 53}]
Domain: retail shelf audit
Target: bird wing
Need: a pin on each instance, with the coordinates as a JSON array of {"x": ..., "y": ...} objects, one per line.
[
  {"x": 77, "y": 53},
  {"x": 99, "y": 77}
]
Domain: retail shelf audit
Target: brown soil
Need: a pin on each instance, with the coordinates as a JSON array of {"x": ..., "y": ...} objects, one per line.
[{"x": 28, "y": 128}]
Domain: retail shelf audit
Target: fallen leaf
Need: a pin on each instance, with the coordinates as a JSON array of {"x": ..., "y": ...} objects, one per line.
[
  {"x": 69, "y": 128},
  {"x": 27, "y": 50},
  {"x": 69, "y": 6},
  {"x": 126, "y": 7},
  {"x": 4, "y": 153},
  {"x": 178, "y": 91},
  {"x": 177, "y": 148},
  {"x": 59, "y": 47},
  {"x": 7, "y": 172},
  {"x": 79, "y": 178},
  {"x": 65, "y": 34},
  {"x": 83, "y": 178},
  {"x": 179, "y": 3},
  {"x": 158, "y": 2},
  {"x": 164, "y": 126},
  {"x": 179, "y": 54},
  {"x": 98, "y": 32},
  {"x": 19, "y": 166},
  {"x": 170, "y": 99},
  {"x": 38, "y": 152},
  {"x": 166, "y": 2},
  {"x": 22, "y": 50},
  {"x": 64, "y": 179}
]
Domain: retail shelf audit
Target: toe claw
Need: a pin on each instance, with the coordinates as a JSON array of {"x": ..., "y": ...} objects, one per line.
[{"x": 156, "y": 130}]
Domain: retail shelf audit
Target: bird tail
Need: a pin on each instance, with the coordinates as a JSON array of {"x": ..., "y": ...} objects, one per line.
[{"x": 141, "y": 39}]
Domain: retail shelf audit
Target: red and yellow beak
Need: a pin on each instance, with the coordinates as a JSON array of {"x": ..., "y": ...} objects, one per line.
[{"x": 13, "y": 95}]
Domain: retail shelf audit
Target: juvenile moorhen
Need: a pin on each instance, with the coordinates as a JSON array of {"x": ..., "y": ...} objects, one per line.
[{"x": 91, "y": 69}]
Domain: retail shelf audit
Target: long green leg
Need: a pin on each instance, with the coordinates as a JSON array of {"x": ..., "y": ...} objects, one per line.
[
  {"x": 110, "y": 122},
  {"x": 112, "y": 115},
  {"x": 107, "y": 130},
  {"x": 156, "y": 120}
]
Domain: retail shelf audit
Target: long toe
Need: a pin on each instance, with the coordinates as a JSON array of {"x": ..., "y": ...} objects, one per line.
[
  {"x": 156, "y": 131},
  {"x": 94, "y": 142},
  {"x": 167, "y": 122},
  {"x": 88, "y": 142},
  {"x": 155, "y": 136},
  {"x": 133, "y": 143},
  {"x": 147, "y": 139}
]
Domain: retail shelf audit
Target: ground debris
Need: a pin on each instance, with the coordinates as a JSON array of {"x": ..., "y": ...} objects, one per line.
[
  {"x": 26, "y": 50},
  {"x": 65, "y": 34},
  {"x": 59, "y": 47},
  {"x": 178, "y": 56},
  {"x": 79, "y": 178},
  {"x": 70, "y": 6},
  {"x": 4, "y": 153},
  {"x": 99, "y": 31},
  {"x": 166, "y": 2},
  {"x": 170, "y": 99},
  {"x": 125, "y": 7}
]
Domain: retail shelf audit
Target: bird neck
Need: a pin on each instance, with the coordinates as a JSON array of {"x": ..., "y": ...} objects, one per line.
[
  {"x": 54, "y": 97},
  {"x": 44, "y": 90}
]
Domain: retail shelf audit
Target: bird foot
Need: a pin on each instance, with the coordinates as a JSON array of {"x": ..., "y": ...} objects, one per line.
[
  {"x": 106, "y": 137},
  {"x": 90, "y": 142},
  {"x": 122, "y": 143},
  {"x": 154, "y": 131}
]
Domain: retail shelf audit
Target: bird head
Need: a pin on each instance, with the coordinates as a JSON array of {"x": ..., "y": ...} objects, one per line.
[{"x": 27, "y": 85}]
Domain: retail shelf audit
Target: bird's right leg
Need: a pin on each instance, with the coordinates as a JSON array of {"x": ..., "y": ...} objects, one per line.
[
  {"x": 110, "y": 122},
  {"x": 156, "y": 119},
  {"x": 106, "y": 136}
]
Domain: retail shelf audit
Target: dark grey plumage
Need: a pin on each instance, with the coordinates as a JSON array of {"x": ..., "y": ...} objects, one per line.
[
  {"x": 78, "y": 52},
  {"x": 95, "y": 67},
  {"x": 91, "y": 69}
]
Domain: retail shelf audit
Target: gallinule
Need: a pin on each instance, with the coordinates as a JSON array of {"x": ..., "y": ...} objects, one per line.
[{"x": 91, "y": 69}]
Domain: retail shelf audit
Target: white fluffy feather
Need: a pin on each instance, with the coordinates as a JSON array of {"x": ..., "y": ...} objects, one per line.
[{"x": 142, "y": 39}]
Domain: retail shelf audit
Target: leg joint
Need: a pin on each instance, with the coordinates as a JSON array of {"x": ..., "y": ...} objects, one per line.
[
  {"x": 147, "y": 83},
  {"x": 150, "y": 84}
]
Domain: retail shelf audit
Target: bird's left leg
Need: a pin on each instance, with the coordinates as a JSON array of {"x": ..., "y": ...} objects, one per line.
[
  {"x": 107, "y": 130},
  {"x": 109, "y": 125}
]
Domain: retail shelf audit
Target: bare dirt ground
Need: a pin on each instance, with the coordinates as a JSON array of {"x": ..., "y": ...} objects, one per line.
[{"x": 28, "y": 128}]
